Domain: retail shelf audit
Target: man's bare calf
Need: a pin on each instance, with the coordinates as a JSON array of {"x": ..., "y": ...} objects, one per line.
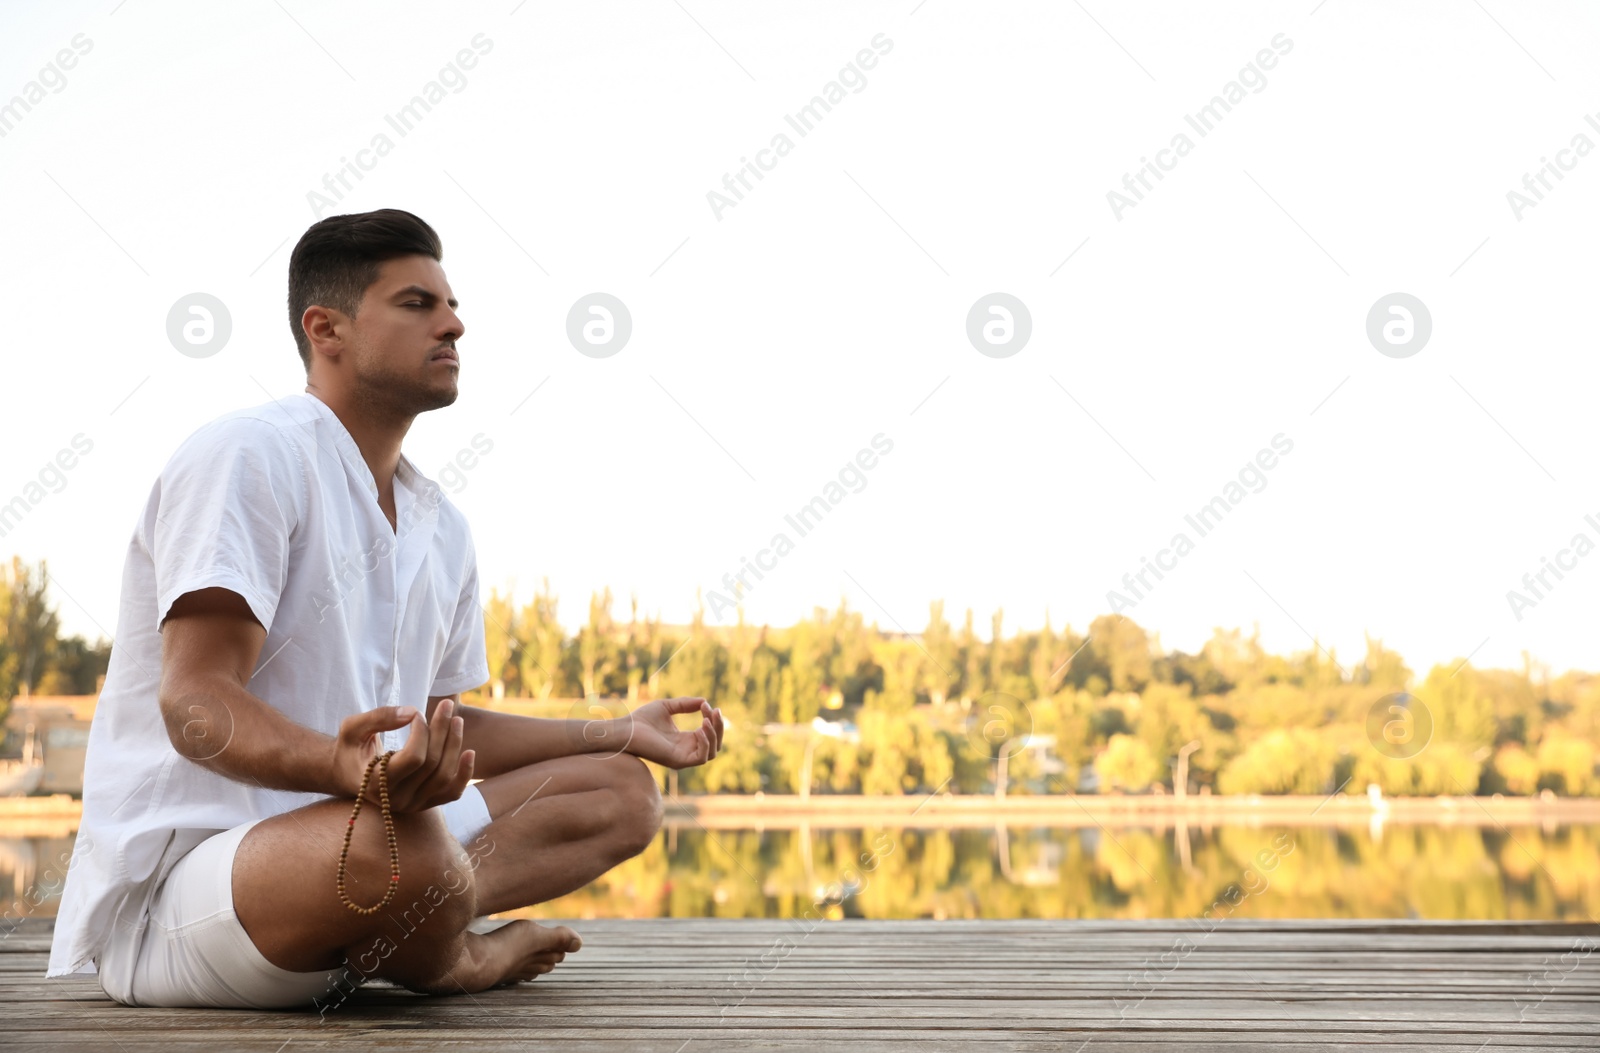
[{"x": 559, "y": 824}]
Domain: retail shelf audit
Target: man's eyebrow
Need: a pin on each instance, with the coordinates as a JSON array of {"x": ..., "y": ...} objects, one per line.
[{"x": 426, "y": 294}]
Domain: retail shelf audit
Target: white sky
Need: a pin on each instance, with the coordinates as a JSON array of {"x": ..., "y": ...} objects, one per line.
[{"x": 774, "y": 342}]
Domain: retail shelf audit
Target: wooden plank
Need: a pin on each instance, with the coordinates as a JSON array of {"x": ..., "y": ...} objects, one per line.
[{"x": 686, "y": 986}]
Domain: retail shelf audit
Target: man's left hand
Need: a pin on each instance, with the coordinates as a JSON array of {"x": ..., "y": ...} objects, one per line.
[{"x": 652, "y": 735}]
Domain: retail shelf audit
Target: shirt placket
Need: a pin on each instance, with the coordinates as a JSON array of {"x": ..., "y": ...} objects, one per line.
[
  {"x": 404, "y": 533},
  {"x": 387, "y": 571},
  {"x": 417, "y": 515}
]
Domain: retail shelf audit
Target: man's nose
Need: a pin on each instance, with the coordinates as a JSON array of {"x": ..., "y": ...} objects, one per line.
[{"x": 454, "y": 328}]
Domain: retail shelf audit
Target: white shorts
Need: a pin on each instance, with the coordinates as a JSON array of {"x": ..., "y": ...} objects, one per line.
[{"x": 192, "y": 950}]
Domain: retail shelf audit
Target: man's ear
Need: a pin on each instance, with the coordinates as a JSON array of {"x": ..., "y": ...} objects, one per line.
[{"x": 321, "y": 328}]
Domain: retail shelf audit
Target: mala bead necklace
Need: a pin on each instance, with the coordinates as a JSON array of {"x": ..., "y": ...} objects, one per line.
[{"x": 382, "y": 764}]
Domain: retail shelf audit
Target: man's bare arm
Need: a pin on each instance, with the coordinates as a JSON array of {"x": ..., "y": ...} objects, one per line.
[
  {"x": 209, "y": 647},
  {"x": 504, "y": 742},
  {"x": 210, "y": 643}
]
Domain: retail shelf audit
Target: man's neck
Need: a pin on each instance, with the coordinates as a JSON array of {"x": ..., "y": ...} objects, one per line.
[{"x": 377, "y": 431}]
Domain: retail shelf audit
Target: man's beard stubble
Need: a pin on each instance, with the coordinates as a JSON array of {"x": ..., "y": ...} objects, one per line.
[{"x": 391, "y": 394}]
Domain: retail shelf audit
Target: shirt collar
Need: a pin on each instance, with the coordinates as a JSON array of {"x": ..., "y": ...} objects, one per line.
[{"x": 406, "y": 473}]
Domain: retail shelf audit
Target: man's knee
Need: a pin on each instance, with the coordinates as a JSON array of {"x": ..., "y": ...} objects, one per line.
[
  {"x": 284, "y": 894},
  {"x": 638, "y": 802},
  {"x": 418, "y": 936},
  {"x": 436, "y": 887}
]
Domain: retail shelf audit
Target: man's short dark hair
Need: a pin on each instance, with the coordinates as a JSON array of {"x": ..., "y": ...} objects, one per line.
[{"x": 338, "y": 258}]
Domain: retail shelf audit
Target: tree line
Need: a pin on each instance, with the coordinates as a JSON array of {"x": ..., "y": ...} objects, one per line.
[{"x": 1107, "y": 708}]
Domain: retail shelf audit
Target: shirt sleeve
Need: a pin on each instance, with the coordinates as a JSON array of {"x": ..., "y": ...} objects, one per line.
[
  {"x": 225, "y": 511},
  {"x": 466, "y": 655}
]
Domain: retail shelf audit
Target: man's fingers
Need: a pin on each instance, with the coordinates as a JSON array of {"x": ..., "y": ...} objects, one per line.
[
  {"x": 362, "y": 726},
  {"x": 449, "y": 766},
  {"x": 413, "y": 754},
  {"x": 458, "y": 785},
  {"x": 714, "y": 719},
  {"x": 458, "y": 770},
  {"x": 711, "y": 724},
  {"x": 438, "y": 769},
  {"x": 683, "y": 705},
  {"x": 420, "y": 755},
  {"x": 439, "y": 731}
]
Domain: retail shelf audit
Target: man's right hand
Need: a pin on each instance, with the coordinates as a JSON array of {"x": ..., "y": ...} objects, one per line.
[{"x": 429, "y": 770}]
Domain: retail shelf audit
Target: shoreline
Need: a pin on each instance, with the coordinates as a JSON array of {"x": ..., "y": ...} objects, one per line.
[
  {"x": 58, "y": 815},
  {"x": 730, "y": 811}
]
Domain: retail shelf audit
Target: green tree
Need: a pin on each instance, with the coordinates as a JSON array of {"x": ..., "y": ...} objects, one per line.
[
  {"x": 1069, "y": 716},
  {"x": 851, "y": 669},
  {"x": 34, "y": 657},
  {"x": 1241, "y": 662},
  {"x": 1126, "y": 764},
  {"x": 697, "y": 668},
  {"x": 540, "y": 649},
  {"x": 502, "y": 645},
  {"x": 1567, "y": 764},
  {"x": 1122, "y": 650},
  {"x": 801, "y": 687},
  {"x": 1168, "y": 720},
  {"x": 902, "y": 664},
  {"x": 941, "y": 673},
  {"x": 741, "y": 648},
  {"x": 1045, "y": 661},
  {"x": 1382, "y": 668},
  {"x": 75, "y": 668},
  {"x": 636, "y": 652},
  {"x": 1284, "y": 760},
  {"x": 31, "y": 627},
  {"x": 10, "y": 660},
  {"x": 969, "y": 658},
  {"x": 1513, "y": 771},
  {"x": 766, "y": 680},
  {"x": 888, "y": 742},
  {"x": 598, "y": 654},
  {"x": 996, "y": 672},
  {"x": 1462, "y": 713}
]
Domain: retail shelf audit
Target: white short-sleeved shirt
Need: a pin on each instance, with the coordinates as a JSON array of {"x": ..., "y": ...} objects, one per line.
[{"x": 276, "y": 504}]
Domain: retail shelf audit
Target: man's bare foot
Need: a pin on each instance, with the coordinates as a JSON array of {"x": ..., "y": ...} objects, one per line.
[{"x": 519, "y": 950}]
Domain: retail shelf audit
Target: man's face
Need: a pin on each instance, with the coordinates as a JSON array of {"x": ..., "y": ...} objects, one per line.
[{"x": 404, "y": 336}]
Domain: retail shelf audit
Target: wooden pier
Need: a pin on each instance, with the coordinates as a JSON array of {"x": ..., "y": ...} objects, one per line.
[{"x": 699, "y": 986}]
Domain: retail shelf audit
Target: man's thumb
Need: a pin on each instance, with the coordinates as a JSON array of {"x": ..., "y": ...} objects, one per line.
[{"x": 384, "y": 718}]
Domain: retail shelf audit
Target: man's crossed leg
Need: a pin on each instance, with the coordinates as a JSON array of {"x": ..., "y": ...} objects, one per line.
[{"x": 556, "y": 826}]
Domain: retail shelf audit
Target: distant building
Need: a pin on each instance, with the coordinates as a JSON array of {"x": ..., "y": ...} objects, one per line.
[{"x": 59, "y": 725}]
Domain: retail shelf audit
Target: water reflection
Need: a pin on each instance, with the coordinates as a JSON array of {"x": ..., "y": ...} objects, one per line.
[
  {"x": 1435, "y": 872},
  {"x": 32, "y": 873}
]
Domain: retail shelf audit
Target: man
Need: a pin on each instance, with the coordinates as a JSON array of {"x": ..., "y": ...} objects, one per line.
[{"x": 297, "y": 599}]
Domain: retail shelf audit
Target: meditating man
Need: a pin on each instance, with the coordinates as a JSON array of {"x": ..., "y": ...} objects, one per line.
[{"x": 278, "y": 800}]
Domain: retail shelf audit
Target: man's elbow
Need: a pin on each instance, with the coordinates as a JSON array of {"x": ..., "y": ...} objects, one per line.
[{"x": 199, "y": 722}]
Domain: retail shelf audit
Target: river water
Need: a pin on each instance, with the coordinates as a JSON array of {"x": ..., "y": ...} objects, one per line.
[{"x": 1394, "y": 871}]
